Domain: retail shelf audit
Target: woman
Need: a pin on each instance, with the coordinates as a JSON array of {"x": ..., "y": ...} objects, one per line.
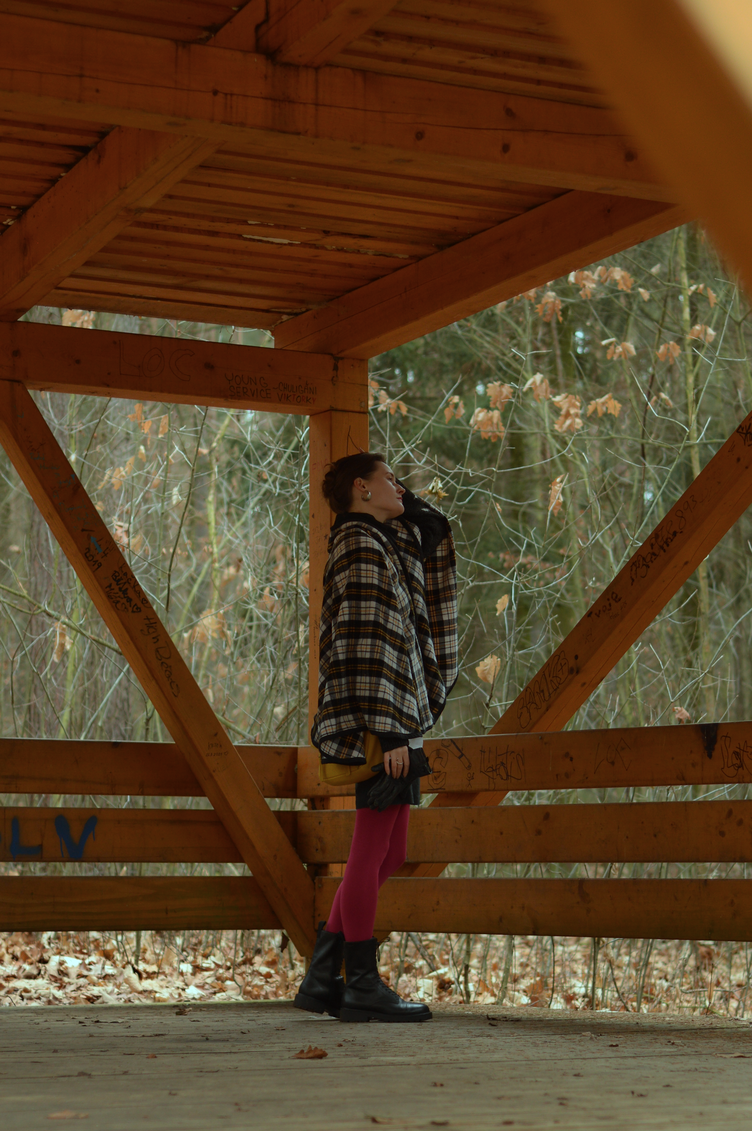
[{"x": 388, "y": 661}]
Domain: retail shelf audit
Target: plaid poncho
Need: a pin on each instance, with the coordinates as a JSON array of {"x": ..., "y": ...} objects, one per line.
[{"x": 388, "y": 629}]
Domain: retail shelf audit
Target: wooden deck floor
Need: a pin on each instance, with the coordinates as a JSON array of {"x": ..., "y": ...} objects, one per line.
[{"x": 232, "y": 1066}]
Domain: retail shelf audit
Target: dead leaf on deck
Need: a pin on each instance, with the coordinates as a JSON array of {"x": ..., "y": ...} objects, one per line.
[{"x": 311, "y": 1053}]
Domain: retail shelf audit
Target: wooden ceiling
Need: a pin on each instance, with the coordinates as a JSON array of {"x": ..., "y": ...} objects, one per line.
[{"x": 298, "y": 166}]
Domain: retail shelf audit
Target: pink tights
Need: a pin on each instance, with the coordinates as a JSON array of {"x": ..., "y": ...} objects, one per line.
[{"x": 379, "y": 848}]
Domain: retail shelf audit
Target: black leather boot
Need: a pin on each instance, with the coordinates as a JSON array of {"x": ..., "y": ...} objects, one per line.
[
  {"x": 366, "y": 998},
  {"x": 321, "y": 989}
]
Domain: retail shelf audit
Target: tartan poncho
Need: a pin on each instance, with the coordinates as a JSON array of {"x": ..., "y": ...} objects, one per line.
[{"x": 388, "y": 639}]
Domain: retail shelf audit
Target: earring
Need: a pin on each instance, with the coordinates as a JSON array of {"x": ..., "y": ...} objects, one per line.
[{"x": 366, "y": 497}]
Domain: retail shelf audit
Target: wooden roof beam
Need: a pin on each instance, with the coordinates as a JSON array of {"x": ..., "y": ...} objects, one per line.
[
  {"x": 569, "y": 232},
  {"x": 105, "y": 364},
  {"x": 231, "y": 97},
  {"x": 311, "y": 32},
  {"x": 681, "y": 78},
  {"x": 126, "y": 172}
]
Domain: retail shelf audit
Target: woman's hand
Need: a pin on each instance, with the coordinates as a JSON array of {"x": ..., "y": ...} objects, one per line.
[{"x": 397, "y": 762}]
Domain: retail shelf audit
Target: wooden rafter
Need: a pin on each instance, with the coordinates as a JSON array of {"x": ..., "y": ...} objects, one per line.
[
  {"x": 690, "y": 103},
  {"x": 311, "y": 32},
  {"x": 233, "y": 97},
  {"x": 108, "y": 364},
  {"x": 128, "y": 170},
  {"x": 135, "y": 625},
  {"x": 569, "y": 232}
]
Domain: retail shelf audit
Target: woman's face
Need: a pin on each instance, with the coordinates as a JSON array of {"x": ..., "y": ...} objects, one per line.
[{"x": 386, "y": 494}]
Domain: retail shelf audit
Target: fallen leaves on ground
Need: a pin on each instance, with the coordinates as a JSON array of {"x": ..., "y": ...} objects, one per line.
[{"x": 313, "y": 1052}]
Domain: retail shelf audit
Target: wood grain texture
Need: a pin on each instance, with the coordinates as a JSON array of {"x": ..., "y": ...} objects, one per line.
[
  {"x": 146, "y": 645},
  {"x": 52, "y": 69},
  {"x": 701, "y": 91},
  {"x": 717, "y": 910},
  {"x": 68, "y": 360},
  {"x": 569, "y": 232},
  {"x": 712, "y": 754},
  {"x": 129, "y": 169},
  {"x": 133, "y": 903},
  {"x": 128, "y": 769},
  {"x": 312, "y": 32},
  {"x": 644, "y": 832},
  {"x": 707, "y": 754}
]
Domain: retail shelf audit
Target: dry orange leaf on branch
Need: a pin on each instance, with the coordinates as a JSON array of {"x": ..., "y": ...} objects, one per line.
[
  {"x": 499, "y": 394},
  {"x": 555, "y": 495},
  {"x": 603, "y": 405},
  {"x": 702, "y": 333},
  {"x": 549, "y": 306},
  {"x": 487, "y": 421},
  {"x": 570, "y": 408},
  {"x": 311, "y": 1053},
  {"x": 669, "y": 351},
  {"x": 540, "y": 386},
  {"x": 502, "y": 604},
  {"x": 63, "y": 642},
  {"x": 618, "y": 350},
  {"x": 453, "y": 408},
  {"x": 488, "y": 669},
  {"x": 390, "y": 405}
]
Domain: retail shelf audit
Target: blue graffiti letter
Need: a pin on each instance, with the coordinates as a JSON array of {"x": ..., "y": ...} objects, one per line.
[
  {"x": 75, "y": 850},
  {"x": 16, "y": 848}
]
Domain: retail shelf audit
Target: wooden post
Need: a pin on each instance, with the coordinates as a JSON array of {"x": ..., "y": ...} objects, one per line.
[
  {"x": 132, "y": 620},
  {"x": 332, "y": 435}
]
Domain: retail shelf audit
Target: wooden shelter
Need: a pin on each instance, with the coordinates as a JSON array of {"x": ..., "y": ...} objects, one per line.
[{"x": 351, "y": 176}]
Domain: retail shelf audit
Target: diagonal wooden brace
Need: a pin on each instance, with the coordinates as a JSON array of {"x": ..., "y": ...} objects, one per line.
[
  {"x": 679, "y": 543},
  {"x": 132, "y": 620}
]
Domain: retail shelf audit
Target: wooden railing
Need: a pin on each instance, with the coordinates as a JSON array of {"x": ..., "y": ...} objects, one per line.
[{"x": 670, "y": 832}]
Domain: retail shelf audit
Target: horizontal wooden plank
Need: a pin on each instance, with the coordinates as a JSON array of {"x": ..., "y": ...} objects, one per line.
[
  {"x": 648, "y": 832},
  {"x": 712, "y": 754},
  {"x": 70, "y": 360},
  {"x": 136, "y": 769},
  {"x": 705, "y": 754},
  {"x": 568, "y": 232},
  {"x": 185, "y": 308},
  {"x": 54, "y": 69},
  {"x": 717, "y": 831},
  {"x": 128, "y": 836},
  {"x": 717, "y": 910},
  {"x": 132, "y": 903}
]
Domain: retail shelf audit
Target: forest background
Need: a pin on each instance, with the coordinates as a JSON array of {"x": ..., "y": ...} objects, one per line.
[{"x": 554, "y": 430}]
